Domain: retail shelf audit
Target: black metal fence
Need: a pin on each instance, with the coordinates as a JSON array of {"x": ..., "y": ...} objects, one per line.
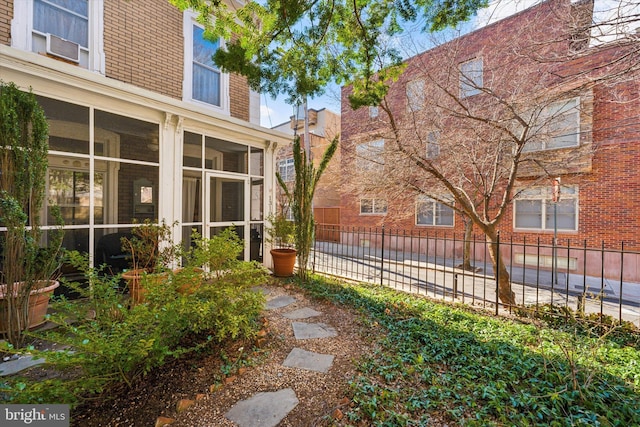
[{"x": 599, "y": 280}]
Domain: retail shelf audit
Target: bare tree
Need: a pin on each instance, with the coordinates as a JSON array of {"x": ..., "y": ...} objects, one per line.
[{"x": 474, "y": 121}]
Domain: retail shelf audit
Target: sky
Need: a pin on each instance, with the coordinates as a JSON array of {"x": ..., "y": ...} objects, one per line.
[{"x": 276, "y": 111}]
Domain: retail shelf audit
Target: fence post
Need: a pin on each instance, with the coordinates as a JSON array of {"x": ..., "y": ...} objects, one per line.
[
  {"x": 497, "y": 270},
  {"x": 382, "y": 258}
]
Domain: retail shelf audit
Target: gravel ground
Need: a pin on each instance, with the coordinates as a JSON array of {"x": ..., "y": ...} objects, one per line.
[{"x": 322, "y": 396}]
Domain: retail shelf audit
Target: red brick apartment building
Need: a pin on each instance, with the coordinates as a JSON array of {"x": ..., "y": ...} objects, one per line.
[
  {"x": 541, "y": 64},
  {"x": 142, "y": 123}
]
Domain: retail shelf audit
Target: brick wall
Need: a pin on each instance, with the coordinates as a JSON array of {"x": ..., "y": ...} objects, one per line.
[
  {"x": 144, "y": 44},
  {"x": 239, "y": 96},
  {"x": 607, "y": 171},
  {"x": 6, "y": 14}
]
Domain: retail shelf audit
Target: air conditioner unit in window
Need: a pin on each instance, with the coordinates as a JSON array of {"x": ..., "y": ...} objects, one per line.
[{"x": 62, "y": 48}]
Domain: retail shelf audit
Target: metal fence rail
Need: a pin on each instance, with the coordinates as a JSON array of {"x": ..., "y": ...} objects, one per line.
[{"x": 598, "y": 280}]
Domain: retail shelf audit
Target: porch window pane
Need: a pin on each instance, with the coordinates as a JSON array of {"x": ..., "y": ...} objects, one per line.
[
  {"x": 191, "y": 197},
  {"x": 257, "y": 198},
  {"x": 226, "y": 156},
  {"x": 257, "y": 162},
  {"x": 192, "y": 153},
  {"x": 68, "y": 125},
  {"x": 125, "y": 205},
  {"x": 128, "y": 138},
  {"x": 227, "y": 200}
]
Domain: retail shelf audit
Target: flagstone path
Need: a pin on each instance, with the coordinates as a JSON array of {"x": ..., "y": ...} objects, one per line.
[{"x": 300, "y": 372}]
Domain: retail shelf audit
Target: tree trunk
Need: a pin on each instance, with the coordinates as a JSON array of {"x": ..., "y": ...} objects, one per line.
[
  {"x": 466, "y": 248},
  {"x": 506, "y": 295}
]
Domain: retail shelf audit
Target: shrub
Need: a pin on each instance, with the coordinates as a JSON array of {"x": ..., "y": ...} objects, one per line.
[{"x": 114, "y": 342}]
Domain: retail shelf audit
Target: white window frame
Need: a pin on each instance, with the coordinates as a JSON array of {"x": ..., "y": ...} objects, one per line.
[
  {"x": 544, "y": 196},
  {"x": 373, "y": 111},
  {"x": 435, "y": 206},
  {"x": 415, "y": 95},
  {"x": 287, "y": 165},
  {"x": 378, "y": 206},
  {"x": 22, "y": 32},
  {"x": 471, "y": 77},
  {"x": 189, "y": 20},
  {"x": 547, "y": 117},
  {"x": 370, "y": 156}
]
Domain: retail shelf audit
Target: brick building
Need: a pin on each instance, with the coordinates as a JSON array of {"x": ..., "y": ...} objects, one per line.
[
  {"x": 142, "y": 123},
  {"x": 455, "y": 103},
  {"x": 324, "y": 125}
]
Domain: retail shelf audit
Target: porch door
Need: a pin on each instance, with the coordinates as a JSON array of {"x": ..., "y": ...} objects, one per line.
[{"x": 226, "y": 205}]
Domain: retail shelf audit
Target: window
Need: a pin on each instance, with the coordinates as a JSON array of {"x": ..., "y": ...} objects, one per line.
[
  {"x": 67, "y": 19},
  {"x": 373, "y": 112},
  {"x": 433, "y": 146},
  {"x": 431, "y": 212},
  {"x": 204, "y": 82},
  {"x": 534, "y": 209},
  {"x": 287, "y": 170},
  {"x": 78, "y": 22},
  {"x": 558, "y": 126},
  {"x": 415, "y": 95},
  {"x": 471, "y": 78},
  {"x": 373, "y": 206},
  {"x": 206, "y": 75},
  {"x": 369, "y": 156}
]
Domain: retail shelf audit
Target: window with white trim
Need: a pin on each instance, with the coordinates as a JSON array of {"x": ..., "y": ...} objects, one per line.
[
  {"x": 68, "y": 29},
  {"x": 471, "y": 77},
  {"x": 557, "y": 126},
  {"x": 433, "y": 145},
  {"x": 204, "y": 82},
  {"x": 373, "y": 206},
  {"x": 534, "y": 209},
  {"x": 286, "y": 170},
  {"x": 369, "y": 156},
  {"x": 415, "y": 95},
  {"x": 373, "y": 111},
  {"x": 432, "y": 212}
]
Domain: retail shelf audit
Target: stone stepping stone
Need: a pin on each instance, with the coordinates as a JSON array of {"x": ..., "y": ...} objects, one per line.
[
  {"x": 16, "y": 365},
  {"x": 264, "y": 409},
  {"x": 279, "y": 302},
  {"x": 303, "y": 331},
  {"x": 303, "y": 359},
  {"x": 302, "y": 313}
]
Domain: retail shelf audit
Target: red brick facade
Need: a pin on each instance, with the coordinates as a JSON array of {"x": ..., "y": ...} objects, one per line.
[{"x": 605, "y": 165}]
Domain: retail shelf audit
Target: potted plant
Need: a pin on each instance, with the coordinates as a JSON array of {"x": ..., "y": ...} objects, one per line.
[
  {"x": 151, "y": 253},
  {"x": 208, "y": 259},
  {"x": 27, "y": 268},
  {"x": 281, "y": 236}
]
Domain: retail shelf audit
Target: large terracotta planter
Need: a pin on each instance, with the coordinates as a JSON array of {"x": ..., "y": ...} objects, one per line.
[
  {"x": 134, "y": 282},
  {"x": 38, "y": 304},
  {"x": 283, "y": 262},
  {"x": 188, "y": 280}
]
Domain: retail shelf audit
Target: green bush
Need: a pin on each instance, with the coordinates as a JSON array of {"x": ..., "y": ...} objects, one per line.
[{"x": 113, "y": 341}]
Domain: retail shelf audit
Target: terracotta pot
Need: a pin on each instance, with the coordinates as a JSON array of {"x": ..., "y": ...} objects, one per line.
[
  {"x": 283, "y": 262},
  {"x": 134, "y": 281},
  {"x": 38, "y": 303},
  {"x": 190, "y": 281}
]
